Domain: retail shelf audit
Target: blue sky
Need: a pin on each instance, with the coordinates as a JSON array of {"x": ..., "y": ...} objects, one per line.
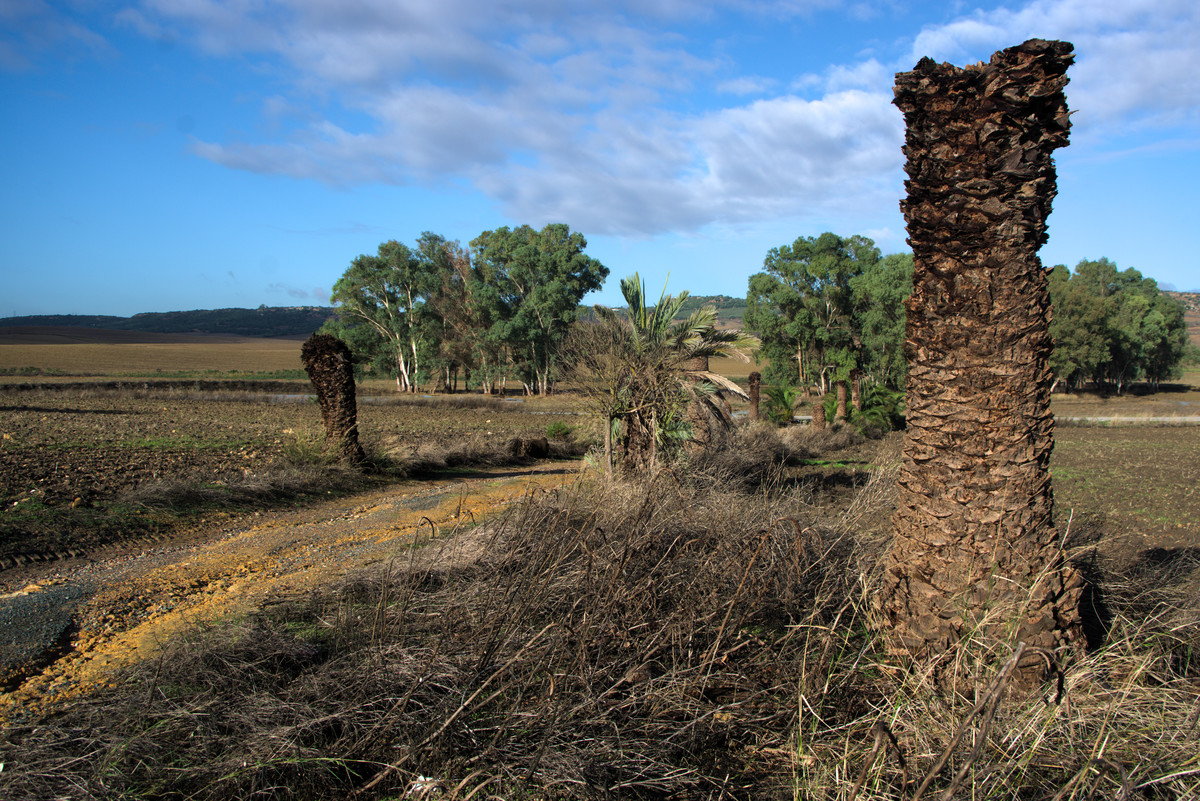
[{"x": 159, "y": 155}]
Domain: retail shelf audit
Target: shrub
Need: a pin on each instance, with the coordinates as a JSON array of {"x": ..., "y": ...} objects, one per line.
[
  {"x": 779, "y": 403},
  {"x": 559, "y": 430}
]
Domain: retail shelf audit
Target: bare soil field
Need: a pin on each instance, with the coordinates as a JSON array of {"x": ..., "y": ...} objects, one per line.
[
  {"x": 84, "y": 467},
  {"x": 1179, "y": 398},
  {"x": 1131, "y": 488},
  {"x": 110, "y": 613},
  {"x": 65, "y": 351}
]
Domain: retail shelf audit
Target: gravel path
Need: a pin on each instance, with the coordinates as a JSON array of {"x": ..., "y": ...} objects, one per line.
[{"x": 71, "y": 625}]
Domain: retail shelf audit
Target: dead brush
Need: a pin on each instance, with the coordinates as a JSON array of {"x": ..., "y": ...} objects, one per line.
[
  {"x": 806, "y": 441},
  {"x": 1121, "y": 723},
  {"x": 628, "y": 641},
  {"x": 758, "y": 454},
  {"x": 251, "y": 490},
  {"x": 619, "y": 641},
  {"x": 471, "y": 451}
]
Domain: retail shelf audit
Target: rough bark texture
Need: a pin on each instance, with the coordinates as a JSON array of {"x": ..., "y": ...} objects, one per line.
[
  {"x": 975, "y": 547},
  {"x": 329, "y": 367},
  {"x": 841, "y": 412},
  {"x": 755, "y": 393},
  {"x": 856, "y": 389},
  {"x": 711, "y": 418},
  {"x": 818, "y": 413},
  {"x": 641, "y": 447}
]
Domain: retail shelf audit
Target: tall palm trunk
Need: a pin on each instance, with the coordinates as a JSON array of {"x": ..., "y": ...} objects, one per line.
[
  {"x": 755, "y": 393},
  {"x": 975, "y": 548},
  {"x": 818, "y": 413}
]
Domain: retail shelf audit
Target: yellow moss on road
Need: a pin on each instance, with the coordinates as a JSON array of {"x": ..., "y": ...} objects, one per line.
[{"x": 233, "y": 573}]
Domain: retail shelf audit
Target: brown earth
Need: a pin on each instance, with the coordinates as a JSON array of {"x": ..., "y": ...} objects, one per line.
[
  {"x": 128, "y": 606},
  {"x": 67, "y": 456},
  {"x": 72, "y": 352},
  {"x": 1131, "y": 489}
]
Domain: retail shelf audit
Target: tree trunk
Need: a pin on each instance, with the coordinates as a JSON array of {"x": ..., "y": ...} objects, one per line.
[
  {"x": 327, "y": 361},
  {"x": 608, "y": 450},
  {"x": 841, "y": 413},
  {"x": 800, "y": 365},
  {"x": 755, "y": 393},
  {"x": 975, "y": 553},
  {"x": 640, "y": 443},
  {"x": 856, "y": 390},
  {"x": 818, "y": 413}
]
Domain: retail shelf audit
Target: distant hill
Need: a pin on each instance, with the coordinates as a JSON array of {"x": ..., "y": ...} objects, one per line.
[
  {"x": 289, "y": 321},
  {"x": 1190, "y": 300},
  {"x": 730, "y": 311}
]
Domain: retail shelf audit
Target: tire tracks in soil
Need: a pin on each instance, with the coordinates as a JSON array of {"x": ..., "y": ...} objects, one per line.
[{"x": 89, "y": 621}]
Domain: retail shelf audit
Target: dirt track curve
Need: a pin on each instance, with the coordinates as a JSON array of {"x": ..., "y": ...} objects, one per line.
[{"x": 72, "y": 624}]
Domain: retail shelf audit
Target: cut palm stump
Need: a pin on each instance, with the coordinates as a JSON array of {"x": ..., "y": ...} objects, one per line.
[
  {"x": 976, "y": 555},
  {"x": 330, "y": 368}
]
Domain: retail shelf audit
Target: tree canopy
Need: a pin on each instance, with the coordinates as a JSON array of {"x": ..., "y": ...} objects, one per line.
[
  {"x": 382, "y": 295},
  {"x": 1113, "y": 327},
  {"x": 535, "y": 281},
  {"x": 828, "y": 305},
  {"x": 501, "y": 308}
]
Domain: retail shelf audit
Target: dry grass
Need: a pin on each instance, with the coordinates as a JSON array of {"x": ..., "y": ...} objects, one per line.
[{"x": 673, "y": 639}]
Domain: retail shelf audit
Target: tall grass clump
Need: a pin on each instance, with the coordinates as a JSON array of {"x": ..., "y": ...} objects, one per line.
[{"x": 669, "y": 639}]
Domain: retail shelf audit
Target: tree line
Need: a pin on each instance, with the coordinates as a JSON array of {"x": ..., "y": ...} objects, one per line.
[
  {"x": 826, "y": 310},
  {"x": 1114, "y": 327},
  {"x": 438, "y": 312},
  {"x": 831, "y": 309}
]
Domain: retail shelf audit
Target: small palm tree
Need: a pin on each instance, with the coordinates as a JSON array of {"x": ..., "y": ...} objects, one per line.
[{"x": 660, "y": 387}]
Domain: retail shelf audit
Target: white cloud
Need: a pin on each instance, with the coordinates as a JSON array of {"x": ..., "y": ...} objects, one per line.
[
  {"x": 31, "y": 29},
  {"x": 590, "y": 113},
  {"x": 746, "y": 85},
  {"x": 1136, "y": 60}
]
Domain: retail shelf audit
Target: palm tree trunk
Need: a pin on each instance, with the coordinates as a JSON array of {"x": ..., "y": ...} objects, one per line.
[
  {"x": 818, "y": 413},
  {"x": 840, "y": 412},
  {"x": 329, "y": 366},
  {"x": 975, "y": 549},
  {"x": 755, "y": 393}
]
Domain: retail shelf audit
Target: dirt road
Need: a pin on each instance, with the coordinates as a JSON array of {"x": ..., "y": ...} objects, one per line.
[{"x": 71, "y": 625}]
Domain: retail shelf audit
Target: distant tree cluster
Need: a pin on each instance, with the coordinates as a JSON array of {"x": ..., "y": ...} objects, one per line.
[
  {"x": 829, "y": 307},
  {"x": 1113, "y": 327},
  {"x": 438, "y": 312}
]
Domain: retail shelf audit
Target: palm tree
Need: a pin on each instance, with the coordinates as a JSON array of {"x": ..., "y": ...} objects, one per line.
[
  {"x": 975, "y": 552},
  {"x": 657, "y": 387}
]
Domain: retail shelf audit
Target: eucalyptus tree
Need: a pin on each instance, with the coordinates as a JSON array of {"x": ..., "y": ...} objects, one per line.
[
  {"x": 534, "y": 281},
  {"x": 803, "y": 308},
  {"x": 1114, "y": 327},
  {"x": 384, "y": 294}
]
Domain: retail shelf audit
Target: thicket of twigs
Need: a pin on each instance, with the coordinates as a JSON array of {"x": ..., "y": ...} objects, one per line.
[{"x": 667, "y": 639}]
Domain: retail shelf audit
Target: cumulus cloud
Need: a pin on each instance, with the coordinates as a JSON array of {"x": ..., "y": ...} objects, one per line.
[
  {"x": 1136, "y": 60},
  {"x": 597, "y": 114}
]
